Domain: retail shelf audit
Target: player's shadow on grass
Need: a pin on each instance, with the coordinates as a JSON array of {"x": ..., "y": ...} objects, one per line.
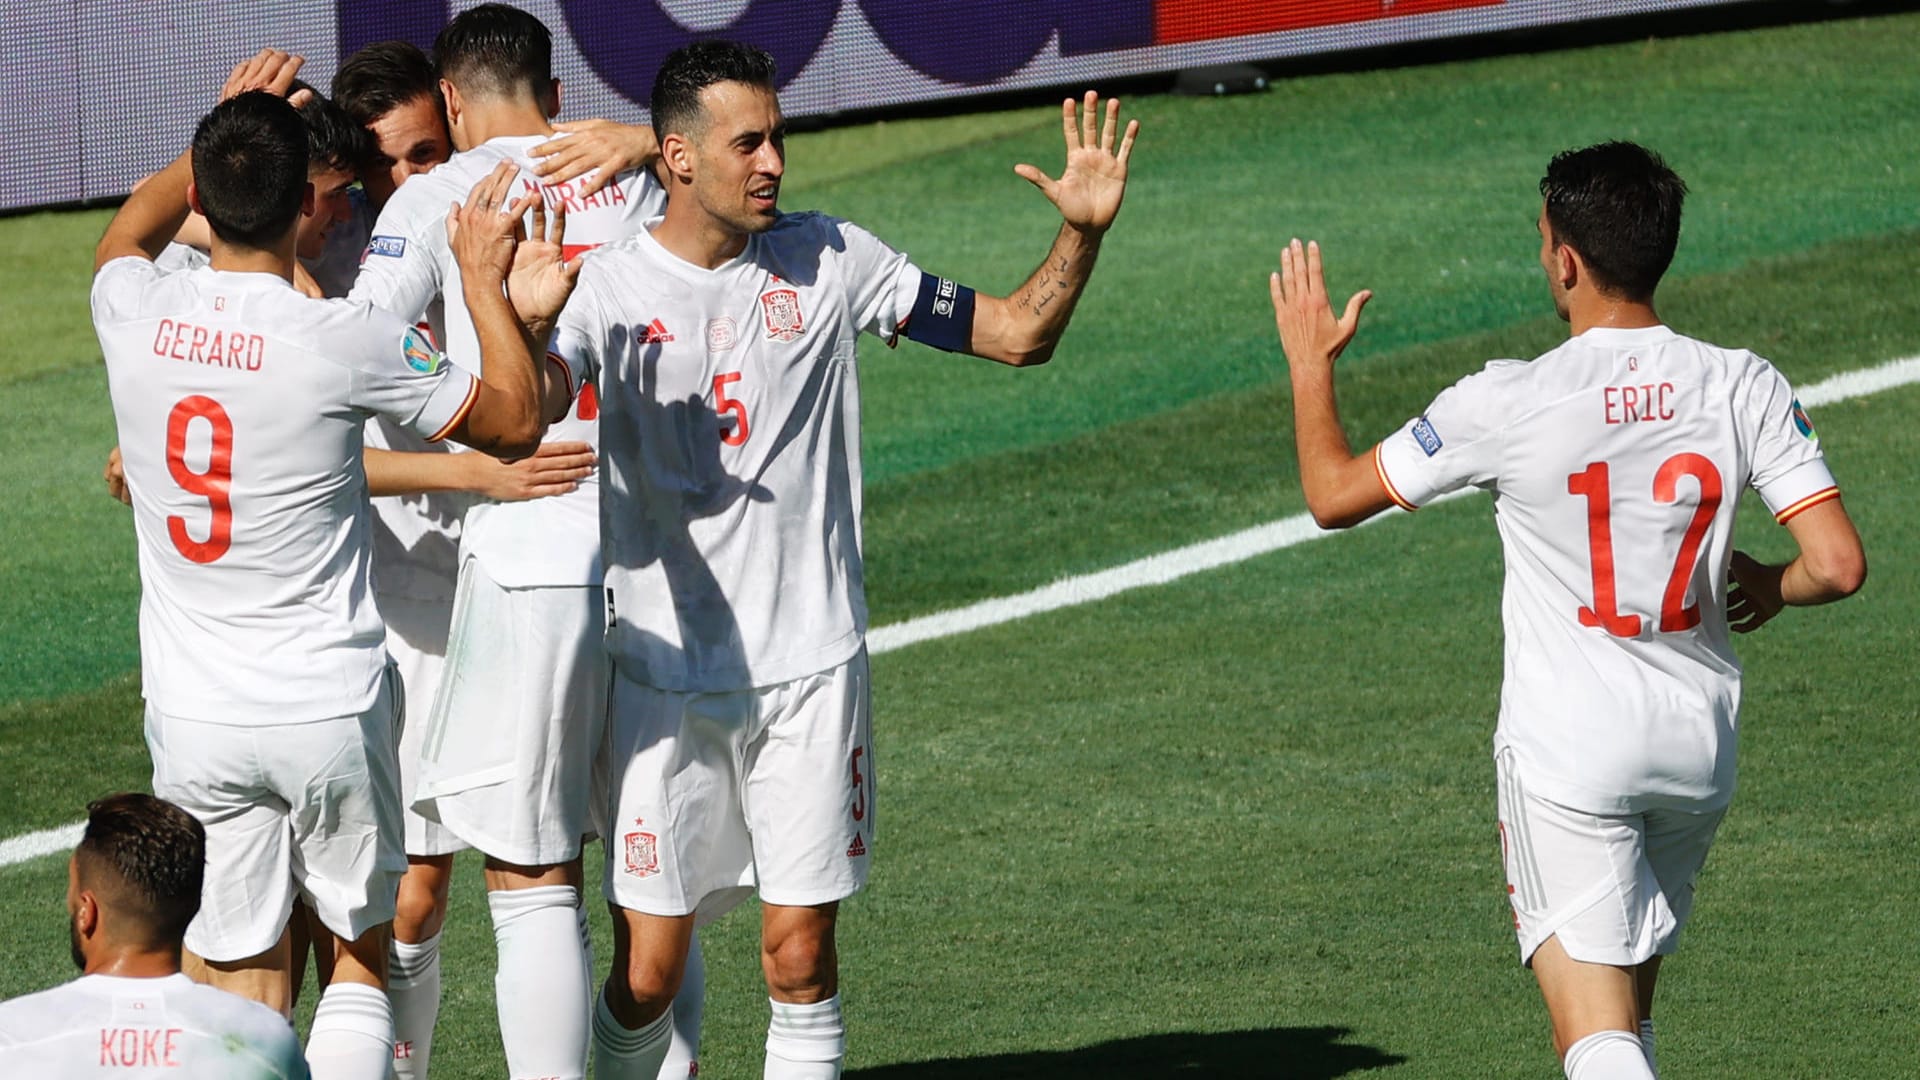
[{"x": 1282, "y": 1053}]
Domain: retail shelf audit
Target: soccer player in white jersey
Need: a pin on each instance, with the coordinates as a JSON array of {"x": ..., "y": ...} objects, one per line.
[
  {"x": 507, "y": 757},
  {"x": 1616, "y": 462},
  {"x": 239, "y": 404},
  {"x": 723, "y": 339},
  {"x": 133, "y": 885}
]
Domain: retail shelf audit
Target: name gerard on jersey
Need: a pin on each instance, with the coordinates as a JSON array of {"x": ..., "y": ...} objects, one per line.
[{"x": 199, "y": 345}]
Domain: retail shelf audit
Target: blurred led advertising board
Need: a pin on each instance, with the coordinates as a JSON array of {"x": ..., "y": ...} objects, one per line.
[{"x": 102, "y": 92}]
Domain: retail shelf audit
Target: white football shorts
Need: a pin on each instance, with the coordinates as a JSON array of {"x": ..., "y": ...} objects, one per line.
[
  {"x": 417, "y": 641},
  {"x": 507, "y": 762},
  {"x": 1615, "y": 888},
  {"x": 310, "y": 807},
  {"x": 715, "y": 794}
]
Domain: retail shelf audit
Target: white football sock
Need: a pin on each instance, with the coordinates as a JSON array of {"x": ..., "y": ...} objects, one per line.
[
  {"x": 619, "y": 1054},
  {"x": 805, "y": 1042},
  {"x": 541, "y": 987},
  {"x": 352, "y": 1036},
  {"x": 1646, "y": 1044},
  {"x": 413, "y": 985},
  {"x": 1607, "y": 1055},
  {"x": 683, "y": 1058}
]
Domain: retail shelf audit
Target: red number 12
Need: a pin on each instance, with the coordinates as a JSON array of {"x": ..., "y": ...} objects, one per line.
[{"x": 1594, "y": 484}]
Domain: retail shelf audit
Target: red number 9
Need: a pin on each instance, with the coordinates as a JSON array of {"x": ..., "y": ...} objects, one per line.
[{"x": 214, "y": 485}]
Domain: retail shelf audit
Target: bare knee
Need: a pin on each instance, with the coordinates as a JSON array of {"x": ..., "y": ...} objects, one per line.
[
  {"x": 420, "y": 909},
  {"x": 649, "y": 960},
  {"x": 801, "y": 966}
]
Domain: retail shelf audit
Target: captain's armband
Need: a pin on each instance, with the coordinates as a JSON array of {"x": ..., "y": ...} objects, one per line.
[{"x": 942, "y": 315}]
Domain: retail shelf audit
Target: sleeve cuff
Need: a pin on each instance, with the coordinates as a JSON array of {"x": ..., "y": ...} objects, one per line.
[
  {"x": 1380, "y": 470},
  {"x": 460, "y": 413}
]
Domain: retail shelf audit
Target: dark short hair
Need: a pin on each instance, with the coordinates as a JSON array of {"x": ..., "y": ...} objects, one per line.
[
  {"x": 674, "y": 105},
  {"x": 158, "y": 854},
  {"x": 1618, "y": 205},
  {"x": 334, "y": 140},
  {"x": 250, "y": 167},
  {"x": 495, "y": 50},
  {"x": 382, "y": 77}
]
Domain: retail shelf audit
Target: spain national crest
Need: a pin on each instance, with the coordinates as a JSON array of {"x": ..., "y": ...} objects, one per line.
[
  {"x": 643, "y": 854},
  {"x": 782, "y": 310}
]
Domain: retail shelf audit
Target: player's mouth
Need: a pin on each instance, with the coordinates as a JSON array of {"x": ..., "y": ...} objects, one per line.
[{"x": 764, "y": 197}]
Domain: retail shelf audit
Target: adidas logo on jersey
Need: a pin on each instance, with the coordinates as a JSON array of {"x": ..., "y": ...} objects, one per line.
[{"x": 655, "y": 333}]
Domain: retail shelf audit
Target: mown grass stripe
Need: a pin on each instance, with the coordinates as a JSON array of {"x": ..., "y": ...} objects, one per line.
[{"x": 1158, "y": 569}]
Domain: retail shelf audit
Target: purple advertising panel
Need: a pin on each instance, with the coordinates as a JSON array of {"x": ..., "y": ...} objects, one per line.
[{"x": 103, "y": 93}]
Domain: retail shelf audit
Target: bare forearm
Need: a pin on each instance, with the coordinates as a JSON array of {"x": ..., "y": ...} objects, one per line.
[
  {"x": 1038, "y": 311},
  {"x": 507, "y": 421},
  {"x": 392, "y": 472},
  {"x": 151, "y": 215}
]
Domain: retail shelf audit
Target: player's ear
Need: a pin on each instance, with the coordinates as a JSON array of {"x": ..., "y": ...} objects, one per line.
[
  {"x": 552, "y": 102},
  {"x": 193, "y": 199},
  {"x": 309, "y": 199},
  {"x": 676, "y": 155},
  {"x": 86, "y": 914},
  {"x": 451, "y": 95},
  {"x": 1568, "y": 266}
]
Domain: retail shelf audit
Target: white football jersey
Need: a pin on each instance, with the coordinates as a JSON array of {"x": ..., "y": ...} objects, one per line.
[
  {"x": 1616, "y": 463},
  {"x": 145, "y": 1029},
  {"x": 731, "y": 512},
  {"x": 409, "y": 265},
  {"x": 240, "y": 405}
]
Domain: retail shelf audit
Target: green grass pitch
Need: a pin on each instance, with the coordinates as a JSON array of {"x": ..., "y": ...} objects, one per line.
[{"x": 1241, "y": 824}]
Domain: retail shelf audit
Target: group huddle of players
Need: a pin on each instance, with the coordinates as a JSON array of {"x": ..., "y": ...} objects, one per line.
[
  {"x": 636, "y": 610},
  {"x": 637, "y": 613}
]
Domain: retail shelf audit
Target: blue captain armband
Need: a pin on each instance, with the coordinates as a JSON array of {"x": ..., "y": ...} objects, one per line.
[{"x": 942, "y": 315}]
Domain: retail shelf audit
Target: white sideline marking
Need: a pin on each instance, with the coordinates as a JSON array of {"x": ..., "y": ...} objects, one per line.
[
  {"x": 1153, "y": 570},
  {"x": 45, "y": 842}
]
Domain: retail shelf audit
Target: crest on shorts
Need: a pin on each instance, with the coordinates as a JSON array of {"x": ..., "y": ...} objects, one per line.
[
  {"x": 782, "y": 310},
  {"x": 643, "y": 854}
]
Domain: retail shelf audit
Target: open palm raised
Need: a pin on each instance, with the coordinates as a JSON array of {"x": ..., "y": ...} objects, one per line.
[{"x": 1091, "y": 186}]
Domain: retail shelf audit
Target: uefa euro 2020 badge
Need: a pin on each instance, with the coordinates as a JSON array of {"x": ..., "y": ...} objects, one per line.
[
  {"x": 1804, "y": 424},
  {"x": 421, "y": 356}
]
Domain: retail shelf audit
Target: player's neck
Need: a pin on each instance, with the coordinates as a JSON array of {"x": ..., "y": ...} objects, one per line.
[
  {"x": 502, "y": 119},
  {"x": 1592, "y": 311},
  {"x": 247, "y": 260},
  {"x": 129, "y": 963},
  {"x": 697, "y": 237}
]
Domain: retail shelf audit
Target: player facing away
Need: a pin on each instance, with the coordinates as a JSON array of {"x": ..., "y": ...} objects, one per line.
[
  {"x": 507, "y": 752},
  {"x": 133, "y": 884},
  {"x": 1616, "y": 462},
  {"x": 723, "y": 339},
  {"x": 239, "y": 404}
]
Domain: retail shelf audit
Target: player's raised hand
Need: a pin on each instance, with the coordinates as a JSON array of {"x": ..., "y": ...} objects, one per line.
[
  {"x": 272, "y": 70},
  {"x": 484, "y": 231},
  {"x": 1754, "y": 596},
  {"x": 1094, "y": 180},
  {"x": 594, "y": 152},
  {"x": 1309, "y": 333},
  {"x": 542, "y": 277}
]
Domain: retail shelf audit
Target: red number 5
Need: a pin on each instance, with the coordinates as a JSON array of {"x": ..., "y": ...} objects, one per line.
[
  {"x": 724, "y": 404},
  {"x": 1675, "y": 613},
  {"x": 215, "y": 484}
]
